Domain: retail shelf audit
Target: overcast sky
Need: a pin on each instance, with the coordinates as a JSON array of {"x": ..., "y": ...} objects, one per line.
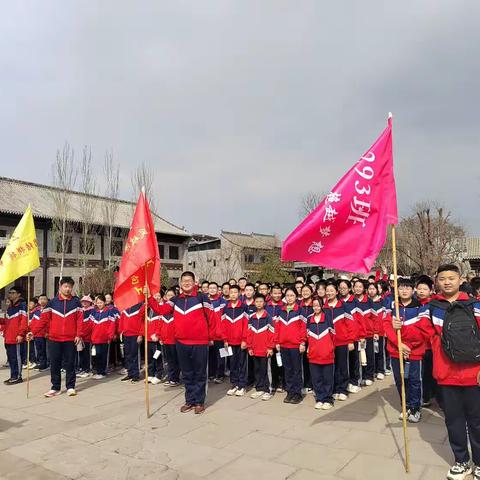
[{"x": 243, "y": 106}]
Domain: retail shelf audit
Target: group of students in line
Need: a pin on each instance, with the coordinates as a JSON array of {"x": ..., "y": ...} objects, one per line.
[{"x": 328, "y": 337}]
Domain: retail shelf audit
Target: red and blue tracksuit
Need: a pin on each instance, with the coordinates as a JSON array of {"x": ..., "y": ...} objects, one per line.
[
  {"x": 377, "y": 313},
  {"x": 167, "y": 337},
  {"x": 216, "y": 364},
  {"x": 39, "y": 341},
  {"x": 321, "y": 355},
  {"x": 234, "y": 328},
  {"x": 273, "y": 310},
  {"x": 103, "y": 331},
  {"x": 360, "y": 312},
  {"x": 130, "y": 327},
  {"x": 154, "y": 327},
  {"x": 290, "y": 333},
  {"x": 84, "y": 356},
  {"x": 261, "y": 341},
  {"x": 250, "y": 309},
  {"x": 194, "y": 326},
  {"x": 306, "y": 309}
]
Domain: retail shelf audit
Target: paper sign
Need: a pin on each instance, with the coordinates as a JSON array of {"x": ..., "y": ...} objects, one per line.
[
  {"x": 94, "y": 351},
  {"x": 278, "y": 356},
  {"x": 156, "y": 354},
  {"x": 226, "y": 352}
]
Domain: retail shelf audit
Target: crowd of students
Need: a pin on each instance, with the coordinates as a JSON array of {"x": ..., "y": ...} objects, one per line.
[{"x": 331, "y": 338}]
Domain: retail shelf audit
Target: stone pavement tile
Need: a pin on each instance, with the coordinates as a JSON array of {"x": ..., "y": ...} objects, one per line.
[
  {"x": 318, "y": 433},
  {"x": 303, "y": 474},
  {"x": 428, "y": 432},
  {"x": 94, "y": 432},
  {"x": 59, "y": 411},
  {"x": 371, "y": 467},
  {"x": 218, "y": 435},
  {"x": 437, "y": 473},
  {"x": 354, "y": 421},
  {"x": 35, "y": 472},
  {"x": 434, "y": 417},
  {"x": 381, "y": 444},
  {"x": 10, "y": 463},
  {"x": 94, "y": 399},
  {"x": 272, "y": 407},
  {"x": 322, "y": 459},
  {"x": 261, "y": 445},
  {"x": 424, "y": 453},
  {"x": 249, "y": 468}
]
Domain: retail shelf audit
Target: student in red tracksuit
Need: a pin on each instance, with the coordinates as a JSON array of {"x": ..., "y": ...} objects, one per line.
[
  {"x": 370, "y": 321},
  {"x": 360, "y": 312},
  {"x": 155, "y": 365},
  {"x": 306, "y": 307},
  {"x": 260, "y": 344},
  {"x": 84, "y": 356},
  {"x": 458, "y": 381},
  {"x": 14, "y": 333},
  {"x": 39, "y": 334},
  {"x": 195, "y": 325},
  {"x": 234, "y": 325},
  {"x": 290, "y": 339},
  {"x": 216, "y": 364},
  {"x": 321, "y": 355},
  {"x": 377, "y": 312}
]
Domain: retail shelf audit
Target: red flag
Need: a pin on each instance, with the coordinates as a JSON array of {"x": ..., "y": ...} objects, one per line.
[
  {"x": 349, "y": 227},
  {"x": 140, "y": 256}
]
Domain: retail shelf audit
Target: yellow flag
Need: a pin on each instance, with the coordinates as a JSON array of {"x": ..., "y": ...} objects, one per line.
[{"x": 21, "y": 254}]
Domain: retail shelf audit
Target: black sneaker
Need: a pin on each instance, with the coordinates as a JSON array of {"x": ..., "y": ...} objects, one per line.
[
  {"x": 7, "y": 381},
  {"x": 296, "y": 399},
  {"x": 13, "y": 381},
  {"x": 288, "y": 398},
  {"x": 126, "y": 378},
  {"x": 459, "y": 471},
  {"x": 134, "y": 380}
]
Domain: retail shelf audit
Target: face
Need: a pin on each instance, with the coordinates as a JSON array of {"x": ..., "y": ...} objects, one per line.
[
  {"x": 306, "y": 293},
  {"x": 13, "y": 296},
  {"x": 249, "y": 291},
  {"x": 405, "y": 292},
  {"x": 212, "y": 290},
  {"x": 225, "y": 290},
  {"x": 85, "y": 304},
  {"x": 31, "y": 305},
  {"x": 263, "y": 289},
  {"x": 99, "y": 303},
  {"x": 259, "y": 303},
  {"x": 299, "y": 279},
  {"x": 187, "y": 283},
  {"x": 358, "y": 288},
  {"x": 157, "y": 296},
  {"x": 372, "y": 291},
  {"x": 298, "y": 287},
  {"x": 317, "y": 308},
  {"x": 331, "y": 293},
  {"x": 66, "y": 289},
  {"x": 321, "y": 291},
  {"x": 276, "y": 294},
  {"x": 204, "y": 288},
  {"x": 42, "y": 300},
  {"x": 234, "y": 294},
  {"x": 108, "y": 299},
  {"x": 169, "y": 295},
  {"x": 448, "y": 282},
  {"x": 290, "y": 297},
  {"x": 343, "y": 289},
  {"x": 423, "y": 291},
  {"x": 242, "y": 283},
  {"x": 380, "y": 289}
]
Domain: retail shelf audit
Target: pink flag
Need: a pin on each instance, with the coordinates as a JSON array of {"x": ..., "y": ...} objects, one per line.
[{"x": 349, "y": 227}]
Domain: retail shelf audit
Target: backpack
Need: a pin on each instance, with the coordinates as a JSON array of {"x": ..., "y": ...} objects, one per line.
[{"x": 460, "y": 332}]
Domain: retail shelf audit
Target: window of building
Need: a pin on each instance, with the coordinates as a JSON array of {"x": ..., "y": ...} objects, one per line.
[
  {"x": 68, "y": 244},
  {"x": 249, "y": 258},
  {"x": 173, "y": 252},
  {"x": 161, "y": 249},
  {"x": 87, "y": 246},
  {"x": 214, "y": 263},
  {"x": 194, "y": 265},
  {"x": 116, "y": 248}
]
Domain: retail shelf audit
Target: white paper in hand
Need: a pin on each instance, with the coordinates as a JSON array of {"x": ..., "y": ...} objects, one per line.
[
  {"x": 279, "y": 359},
  {"x": 94, "y": 351},
  {"x": 156, "y": 354},
  {"x": 225, "y": 352}
]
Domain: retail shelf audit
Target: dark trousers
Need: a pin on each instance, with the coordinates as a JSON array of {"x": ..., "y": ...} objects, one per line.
[
  {"x": 238, "y": 367},
  {"x": 307, "y": 382},
  {"x": 380, "y": 356},
  {"x": 62, "y": 353},
  {"x": 413, "y": 384},
  {"x": 14, "y": 359},
  {"x": 292, "y": 363},
  {"x": 429, "y": 383},
  {"x": 23, "y": 352},
  {"x": 262, "y": 373},
  {"x": 193, "y": 365},
  {"x": 173, "y": 367},
  {"x": 101, "y": 358},
  {"x": 155, "y": 366},
  {"x": 131, "y": 356},
  {"x": 462, "y": 410},
  {"x": 84, "y": 359},
  {"x": 368, "y": 371},
  {"x": 277, "y": 373},
  {"x": 322, "y": 381},
  {"x": 342, "y": 376},
  {"x": 250, "y": 370},
  {"x": 40, "y": 344},
  {"x": 114, "y": 355},
  {"x": 388, "y": 359},
  {"x": 216, "y": 364},
  {"x": 354, "y": 365}
]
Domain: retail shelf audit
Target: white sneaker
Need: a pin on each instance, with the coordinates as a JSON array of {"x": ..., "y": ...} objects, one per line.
[
  {"x": 266, "y": 396},
  {"x": 99, "y": 377},
  {"x": 335, "y": 396},
  {"x": 388, "y": 372},
  {"x": 380, "y": 376},
  {"x": 400, "y": 417},
  {"x": 415, "y": 417},
  {"x": 71, "y": 392},
  {"x": 256, "y": 394},
  {"x": 327, "y": 406},
  {"x": 155, "y": 381},
  {"x": 83, "y": 375},
  {"x": 342, "y": 397},
  {"x": 232, "y": 391},
  {"x": 32, "y": 365},
  {"x": 318, "y": 405},
  {"x": 368, "y": 382},
  {"x": 240, "y": 392},
  {"x": 476, "y": 473},
  {"x": 279, "y": 390},
  {"x": 52, "y": 393},
  {"x": 459, "y": 471},
  {"x": 353, "y": 388},
  {"x": 123, "y": 371}
]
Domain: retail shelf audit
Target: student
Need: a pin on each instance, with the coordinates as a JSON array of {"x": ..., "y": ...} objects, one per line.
[
  {"x": 290, "y": 338},
  {"x": 14, "y": 333},
  {"x": 458, "y": 381},
  {"x": 260, "y": 344},
  {"x": 321, "y": 355},
  {"x": 361, "y": 312},
  {"x": 216, "y": 364},
  {"x": 242, "y": 282},
  {"x": 226, "y": 291},
  {"x": 377, "y": 311},
  {"x": 263, "y": 289},
  {"x": 234, "y": 325},
  {"x": 130, "y": 328},
  {"x": 103, "y": 332},
  {"x": 413, "y": 344},
  {"x": 371, "y": 320},
  {"x": 475, "y": 283},
  {"x": 298, "y": 288},
  {"x": 335, "y": 314},
  {"x": 204, "y": 287},
  {"x": 39, "y": 331},
  {"x": 155, "y": 365},
  {"x": 194, "y": 328},
  {"x": 306, "y": 309},
  {"x": 321, "y": 293},
  {"x": 84, "y": 356},
  {"x": 249, "y": 304},
  {"x": 63, "y": 318}
]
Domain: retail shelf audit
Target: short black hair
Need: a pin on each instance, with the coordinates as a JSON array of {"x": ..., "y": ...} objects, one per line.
[
  {"x": 250, "y": 285},
  {"x": 242, "y": 278},
  {"x": 291, "y": 289},
  {"x": 205, "y": 282},
  {"x": 448, "y": 267},
  {"x": 101, "y": 297},
  {"x": 68, "y": 280},
  {"x": 475, "y": 283},
  {"x": 225, "y": 284},
  {"x": 348, "y": 283},
  {"x": 235, "y": 287},
  {"x": 212, "y": 283},
  {"x": 424, "y": 280},
  {"x": 405, "y": 282},
  {"x": 16, "y": 290},
  {"x": 188, "y": 273},
  {"x": 42, "y": 295},
  {"x": 277, "y": 287},
  {"x": 259, "y": 295}
]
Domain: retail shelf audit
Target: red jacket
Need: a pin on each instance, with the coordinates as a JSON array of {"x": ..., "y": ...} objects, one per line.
[
  {"x": 345, "y": 331},
  {"x": 321, "y": 340},
  {"x": 154, "y": 325},
  {"x": 37, "y": 327},
  {"x": 375, "y": 318},
  {"x": 167, "y": 329},
  {"x": 361, "y": 315},
  {"x": 63, "y": 318},
  {"x": 445, "y": 371},
  {"x": 131, "y": 321},
  {"x": 87, "y": 325},
  {"x": 260, "y": 334},
  {"x": 103, "y": 325},
  {"x": 290, "y": 329},
  {"x": 15, "y": 323},
  {"x": 234, "y": 323}
]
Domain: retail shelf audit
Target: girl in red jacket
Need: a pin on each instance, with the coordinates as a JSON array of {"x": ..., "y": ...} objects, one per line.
[
  {"x": 321, "y": 355},
  {"x": 377, "y": 312}
]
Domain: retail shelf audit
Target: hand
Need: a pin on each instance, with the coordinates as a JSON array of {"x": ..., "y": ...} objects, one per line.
[
  {"x": 139, "y": 339},
  {"x": 396, "y": 324},
  {"x": 19, "y": 339},
  {"x": 270, "y": 353},
  {"x": 406, "y": 350},
  {"x": 250, "y": 352},
  {"x": 78, "y": 340},
  {"x": 376, "y": 337},
  {"x": 154, "y": 338},
  {"x": 146, "y": 290},
  {"x": 351, "y": 347},
  {"x": 29, "y": 336},
  {"x": 243, "y": 345},
  {"x": 277, "y": 347},
  {"x": 301, "y": 348},
  {"x": 225, "y": 344},
  {"x": 478, "y": 377},
  {"x": 210, "y": 343}
]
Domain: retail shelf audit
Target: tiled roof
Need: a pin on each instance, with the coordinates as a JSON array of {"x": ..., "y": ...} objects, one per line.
[
  {"x": 252, "y": 240},
  {"x": 15, "y": 195},
  {"x": 473, "y": 248}
]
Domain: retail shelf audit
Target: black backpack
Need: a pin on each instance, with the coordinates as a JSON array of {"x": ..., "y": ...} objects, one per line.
[{"x": 460, "y": 332}]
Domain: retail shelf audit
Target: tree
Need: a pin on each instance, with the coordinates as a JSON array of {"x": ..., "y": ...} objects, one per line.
[
  {"x": 164, "y": 277},
  {"x": 272, "y": 269},
  {"x": 309, "y": 202},
  {"x": 111, "y": 173},
  {"x": 98, "y": 281},
  {"x": 144, "y": 176},
  {"x": 64, "y": 174},
  {"x": 230, "y": 263}
]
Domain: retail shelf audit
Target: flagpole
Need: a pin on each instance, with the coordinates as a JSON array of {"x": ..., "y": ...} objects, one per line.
[
  {"x": 28, "y": 338},
  {"x": 400, "y": 349},
  {"x": 147, "y": 396}
]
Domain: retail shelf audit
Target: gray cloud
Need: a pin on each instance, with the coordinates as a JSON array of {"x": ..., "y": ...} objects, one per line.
[{"x": 243, "y": 106}]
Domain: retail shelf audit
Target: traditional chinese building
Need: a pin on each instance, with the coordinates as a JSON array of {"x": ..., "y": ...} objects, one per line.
[{"x": 16, "y": 195}]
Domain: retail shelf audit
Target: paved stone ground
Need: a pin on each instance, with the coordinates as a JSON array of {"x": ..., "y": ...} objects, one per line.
[{"x": 103, "y": 433}]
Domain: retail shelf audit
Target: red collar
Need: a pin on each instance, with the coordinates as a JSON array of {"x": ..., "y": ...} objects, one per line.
[
  {"x": 339, "y": 303},
  {"x": 304, "y": 304},
  {"x": 264, "y": 314},
  {"x": 294, "y": 308},
  {"x": 194, "y": 293},
  {"x": 238, "y": 304},
  {"x": 322, "y": 318},
  {"x": 461, "y": 296}
]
